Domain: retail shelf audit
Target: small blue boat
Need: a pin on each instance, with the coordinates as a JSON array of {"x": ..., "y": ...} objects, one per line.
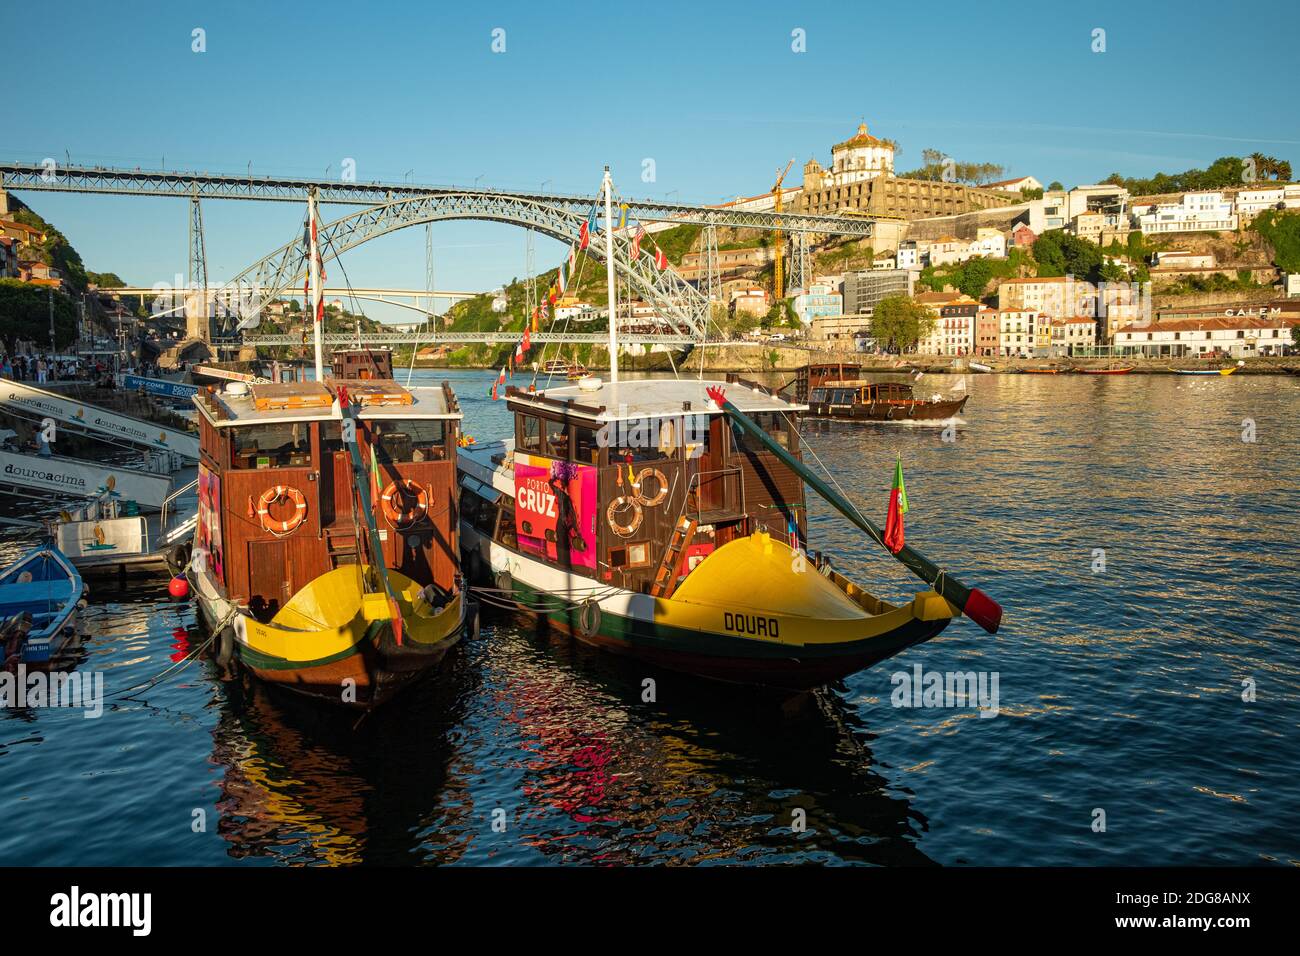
[{"x": 39, "y": 593}]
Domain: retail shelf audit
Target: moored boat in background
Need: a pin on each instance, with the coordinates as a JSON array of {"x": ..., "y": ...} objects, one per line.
[
  {"x": 1208, "y": 371},
  {"x": 835, "y": 390},
  {"x": 40, "y": 595}
]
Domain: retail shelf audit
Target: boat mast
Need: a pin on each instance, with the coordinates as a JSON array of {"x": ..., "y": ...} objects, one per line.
[
  {"x": 608, "y": 187},
  {"x": 313, "y": 272}
]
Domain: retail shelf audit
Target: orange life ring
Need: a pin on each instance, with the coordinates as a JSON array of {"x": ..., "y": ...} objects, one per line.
[
  {"x": 406, "y": 516},
  {"x": 659, "y": 477},
  {"x": 624, "y": 530},
  {"x": 272, "y": 495}
]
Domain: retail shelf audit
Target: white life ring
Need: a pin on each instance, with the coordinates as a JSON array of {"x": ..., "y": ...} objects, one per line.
[
  {"x": 660, "y": 477},
  {"x": 624, "y": 530}
]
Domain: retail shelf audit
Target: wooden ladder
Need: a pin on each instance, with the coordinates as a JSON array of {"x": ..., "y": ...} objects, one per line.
[
  {"x": 341, "y": 547},
  {"x": 665, "y": 582}
]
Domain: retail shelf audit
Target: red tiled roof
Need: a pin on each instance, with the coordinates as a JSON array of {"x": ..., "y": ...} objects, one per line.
[
  {"x": 860, "y": 138},
  {"x": 1209, "y": 325}
]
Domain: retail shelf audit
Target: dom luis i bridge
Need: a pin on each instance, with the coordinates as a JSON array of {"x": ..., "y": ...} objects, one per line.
[{"x": 383, "y": 208}]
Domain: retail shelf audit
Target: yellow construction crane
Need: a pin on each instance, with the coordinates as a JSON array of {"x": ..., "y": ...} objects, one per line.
[{"x": 779, "y": 280}]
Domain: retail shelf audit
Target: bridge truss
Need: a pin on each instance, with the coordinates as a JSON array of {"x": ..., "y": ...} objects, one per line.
[
  {"x": 388, "y": 207},
  {"x": 139, "y": 182}
]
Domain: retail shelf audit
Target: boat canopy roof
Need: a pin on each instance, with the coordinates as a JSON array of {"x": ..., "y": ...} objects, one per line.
[
  {"x": 264, "y": 404},
  {"x": 646, "y": 398},
  {"x": 864, "y": 383}
]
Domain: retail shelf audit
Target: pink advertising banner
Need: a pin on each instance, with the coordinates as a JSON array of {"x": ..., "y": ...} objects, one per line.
[{"x": 555, "y": 509}]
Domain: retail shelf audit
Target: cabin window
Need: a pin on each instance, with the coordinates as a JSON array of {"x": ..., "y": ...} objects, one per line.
[
  {"x": 818, "y": 395},
  {"x": 504, "y": 533},
  {"x": 331, "y": 437},
  {"x": 646, "y": 439},
  {"x": 408, "y": 440},
  {"x": 530, "y": 434},
  {"x": 586, "y": 446},
  {"x": 773, "y": 423},
  {"x": 277, "y": 445},
  {"x": 695, "y": 435},
  {"x": 557, "y": 438},
  {"x": 633, "y": 555}
]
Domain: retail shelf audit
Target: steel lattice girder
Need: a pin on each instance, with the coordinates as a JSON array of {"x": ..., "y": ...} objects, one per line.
[
  {"x": 423, "y": 339},
  {"x": 675, "y": 299},
  {"x": 138, "y": 182}
]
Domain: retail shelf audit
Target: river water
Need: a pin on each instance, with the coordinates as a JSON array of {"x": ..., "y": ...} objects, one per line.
[{"x": 1147, "y": 672}]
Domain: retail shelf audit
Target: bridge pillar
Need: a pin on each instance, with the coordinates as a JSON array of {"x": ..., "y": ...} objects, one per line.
[{"x": 197, "y": 325}]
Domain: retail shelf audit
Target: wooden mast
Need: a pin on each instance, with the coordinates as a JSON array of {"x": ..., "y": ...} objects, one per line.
[
  {"x": 608, "y": 187},
  {"x": 313, "y": 276}
]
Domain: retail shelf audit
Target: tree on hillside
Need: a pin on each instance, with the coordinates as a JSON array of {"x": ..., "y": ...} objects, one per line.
[
  {"x": 54, "y": 249},
  {"x": 25, "y": 314},
  {"x": 1282, "y": 231},
  {"x": 899, "y": 322},
  {"x": 1056, "y": 186},
  {"x": 975, "y": 277},
  {"x": 1059, "y": 254},
  {"x": 937, "y": 166},
  {"x": 1223, "y": 172},
  {"x": 105, "y": 280},
  {"x": 1269, "y": 167}
]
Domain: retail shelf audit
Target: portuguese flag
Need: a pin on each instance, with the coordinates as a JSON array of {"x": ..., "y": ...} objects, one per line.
[{"x": 897, "y": 508}]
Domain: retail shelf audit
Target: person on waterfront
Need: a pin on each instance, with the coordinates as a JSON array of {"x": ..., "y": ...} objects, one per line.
[
  {"x": 42, "y": 371},
  {"x": 8, "y": 368}
]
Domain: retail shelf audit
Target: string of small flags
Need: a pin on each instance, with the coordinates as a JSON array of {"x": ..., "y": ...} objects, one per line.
[{"x": 564, "y": 274}]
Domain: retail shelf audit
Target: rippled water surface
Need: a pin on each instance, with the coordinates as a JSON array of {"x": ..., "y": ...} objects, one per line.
[{"x": 1120, "y": 690}]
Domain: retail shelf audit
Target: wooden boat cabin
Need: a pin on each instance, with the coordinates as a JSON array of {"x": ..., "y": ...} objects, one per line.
[
  {"x": 363, "y": 364},
  {"x": 655, "y": 479},
  {"x": 878, "y": 401},
  {"x": 845, "y": 394},
  {"x": 814, "y": 376},
  {"x": 276, "y": 498}
]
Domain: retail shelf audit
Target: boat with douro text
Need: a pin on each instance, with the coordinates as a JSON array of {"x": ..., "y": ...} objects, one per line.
[{"x": 666, "y": 520}]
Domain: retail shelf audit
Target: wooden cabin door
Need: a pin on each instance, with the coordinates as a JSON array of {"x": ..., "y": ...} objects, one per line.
[
  {"x": 270, "y": 577},
  {"x": 709, "y": 467}
]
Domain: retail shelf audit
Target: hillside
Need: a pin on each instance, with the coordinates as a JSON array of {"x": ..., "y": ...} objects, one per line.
[{"x": 25, "y": 308}]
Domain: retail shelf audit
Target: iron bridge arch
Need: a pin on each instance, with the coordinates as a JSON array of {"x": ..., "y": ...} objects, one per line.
[{"x": 676, "y": 300}]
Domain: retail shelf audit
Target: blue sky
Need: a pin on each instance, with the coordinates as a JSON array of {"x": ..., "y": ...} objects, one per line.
[{"x": 711, "y": 91}]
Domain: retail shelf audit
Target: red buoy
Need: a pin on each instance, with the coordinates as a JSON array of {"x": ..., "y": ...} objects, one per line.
[{"x": 178, "y": 587}]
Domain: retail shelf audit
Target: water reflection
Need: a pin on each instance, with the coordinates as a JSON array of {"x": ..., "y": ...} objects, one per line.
[
  {"x": 311, "y": 785},
  {"x": 530, "y": 748},
  {"x": 1120, "y": 689}
]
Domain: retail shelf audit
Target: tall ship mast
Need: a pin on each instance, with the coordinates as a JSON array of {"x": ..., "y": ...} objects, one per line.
[
  {"x": 325, "y": 558},
  {"x": 666, "y": 519}
]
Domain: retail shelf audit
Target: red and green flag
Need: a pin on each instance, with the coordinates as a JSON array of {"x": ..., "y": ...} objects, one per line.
[{"x": 897, "y": 508}]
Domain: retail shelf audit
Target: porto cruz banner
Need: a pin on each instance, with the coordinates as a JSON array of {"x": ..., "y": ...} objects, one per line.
[{"x": 555, "y": 510}]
